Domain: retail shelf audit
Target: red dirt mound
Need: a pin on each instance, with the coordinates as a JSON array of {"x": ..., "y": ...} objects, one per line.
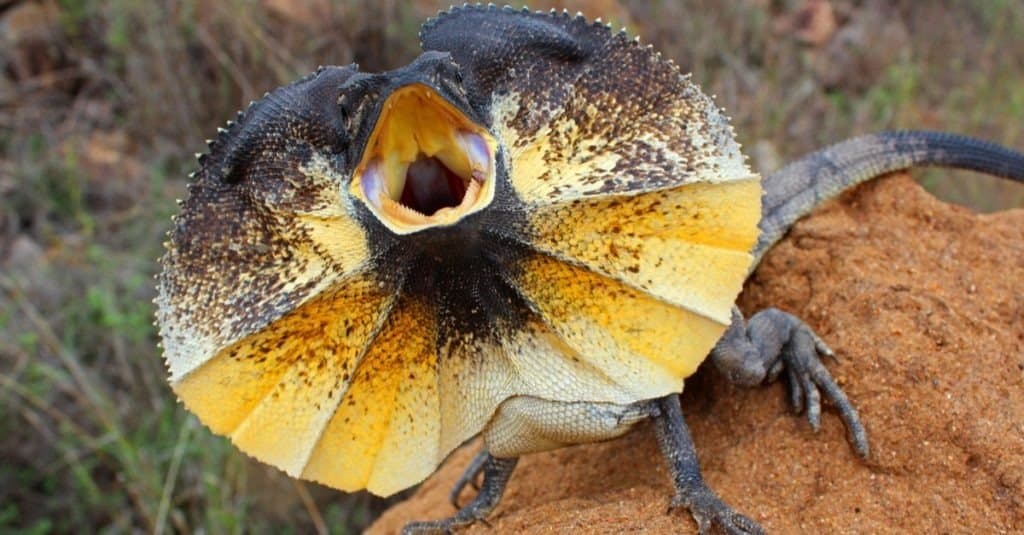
[{"x": 923, "y": 302}]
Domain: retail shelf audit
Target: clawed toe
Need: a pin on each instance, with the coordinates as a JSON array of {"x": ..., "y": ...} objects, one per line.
[
  {"x": 714, "y": 516},
  {"x": 774, "y": 344},
  {"x": 808, "y": 379}
]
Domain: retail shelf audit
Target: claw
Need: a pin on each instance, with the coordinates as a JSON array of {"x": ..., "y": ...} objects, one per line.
[
  {"x": 857, "y": 435},
  {"x": 710, "y": 512},
  {"x": 822, "y": 347},
  {"x": 802, "y": 359},
  {"x": 773, "y": 343}
]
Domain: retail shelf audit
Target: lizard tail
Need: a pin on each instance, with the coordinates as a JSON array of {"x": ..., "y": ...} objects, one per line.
[{"x": 798, "y": 188}]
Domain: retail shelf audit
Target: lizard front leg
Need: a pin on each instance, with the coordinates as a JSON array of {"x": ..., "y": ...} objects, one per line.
[
  {"x": 773, "y": 342},
  {"x": 526, "y": 424},
  {"x": 691, "y": 490}
]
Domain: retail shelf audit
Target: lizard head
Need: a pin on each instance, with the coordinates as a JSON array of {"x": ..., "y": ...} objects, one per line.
[
  {"x": 425, "y": 162},
  {"x": 369, "y": 264}
]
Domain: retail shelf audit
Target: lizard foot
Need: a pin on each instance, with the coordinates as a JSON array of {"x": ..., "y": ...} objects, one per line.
[
  {"x": 773, "y": 343},
  {"x": 496, "y": 474},
  {"x": 692, "y": 492},
  {"x": 710, "y": 512}
]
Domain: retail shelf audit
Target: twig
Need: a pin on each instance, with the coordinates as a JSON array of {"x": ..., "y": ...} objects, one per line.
[
  {"x": 172, "y": 476},
  {"x": 311, "y": 508}
]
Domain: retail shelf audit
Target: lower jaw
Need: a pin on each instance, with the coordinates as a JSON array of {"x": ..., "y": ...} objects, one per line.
[
  {"x": 375, "y": 183},
  {"x": 444, "y": 216}
]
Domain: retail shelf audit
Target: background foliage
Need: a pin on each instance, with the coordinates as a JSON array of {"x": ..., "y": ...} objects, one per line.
[{"x": 102, "y": 104}]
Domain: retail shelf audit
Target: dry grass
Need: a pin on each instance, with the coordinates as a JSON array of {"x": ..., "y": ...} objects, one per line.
[{"x": 102, "y": 104}]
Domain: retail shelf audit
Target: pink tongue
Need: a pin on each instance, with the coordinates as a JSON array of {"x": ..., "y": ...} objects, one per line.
[{"x": 430, "y": 186}]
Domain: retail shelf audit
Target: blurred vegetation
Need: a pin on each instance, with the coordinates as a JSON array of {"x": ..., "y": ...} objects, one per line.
[{"x": 102, "y": 104}]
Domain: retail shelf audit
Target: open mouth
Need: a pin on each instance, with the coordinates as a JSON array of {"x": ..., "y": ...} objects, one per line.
[{"x": 425, "y": 164}]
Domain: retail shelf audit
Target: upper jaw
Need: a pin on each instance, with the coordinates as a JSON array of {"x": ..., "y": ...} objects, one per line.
[{"x": 425, "y": 164}]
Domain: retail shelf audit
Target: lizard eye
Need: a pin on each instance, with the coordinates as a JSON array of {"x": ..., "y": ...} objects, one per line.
[{"x": 425, "y": 163}]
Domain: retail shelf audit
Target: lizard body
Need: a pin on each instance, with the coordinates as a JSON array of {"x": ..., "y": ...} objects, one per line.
[{"x": 533, "y": 232}]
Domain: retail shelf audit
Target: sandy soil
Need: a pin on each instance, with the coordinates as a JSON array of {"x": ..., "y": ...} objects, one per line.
[{"x": 923, "y": 302}]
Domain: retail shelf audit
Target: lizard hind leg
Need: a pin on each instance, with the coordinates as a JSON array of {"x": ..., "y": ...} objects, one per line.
[
  {"x": 772, "y": 343},
  {"x": 469, "y": 477},
  {"x": 497, "y": 472},
  {"x": 691, "y": 491}
]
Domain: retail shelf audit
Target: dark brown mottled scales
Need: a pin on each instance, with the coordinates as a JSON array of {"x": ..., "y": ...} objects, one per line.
[{"x": 534, "y": 232}]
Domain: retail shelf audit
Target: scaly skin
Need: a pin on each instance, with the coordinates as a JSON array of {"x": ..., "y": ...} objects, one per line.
[
  {"x": 772, "y": 342},
  {"x": 589, "y": 226},
  {"x": 332, "y": 325},
  {"x": 801, "y": 186}
]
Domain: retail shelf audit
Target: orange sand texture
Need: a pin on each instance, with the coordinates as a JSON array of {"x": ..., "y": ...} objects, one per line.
[{"x": 923, "y": 302}]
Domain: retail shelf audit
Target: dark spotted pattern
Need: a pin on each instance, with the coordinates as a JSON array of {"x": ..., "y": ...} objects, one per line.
[
  {"x": 584, "y": 111},
  {"x": 322, "y": 342},
  {"x": 241, "y": 254}
]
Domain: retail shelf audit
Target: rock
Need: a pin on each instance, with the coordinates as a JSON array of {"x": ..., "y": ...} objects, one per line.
[{"x": 923, "y": 302}]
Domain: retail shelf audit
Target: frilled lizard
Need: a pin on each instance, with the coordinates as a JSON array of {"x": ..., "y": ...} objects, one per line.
[{"x": 534, "y": 233}]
